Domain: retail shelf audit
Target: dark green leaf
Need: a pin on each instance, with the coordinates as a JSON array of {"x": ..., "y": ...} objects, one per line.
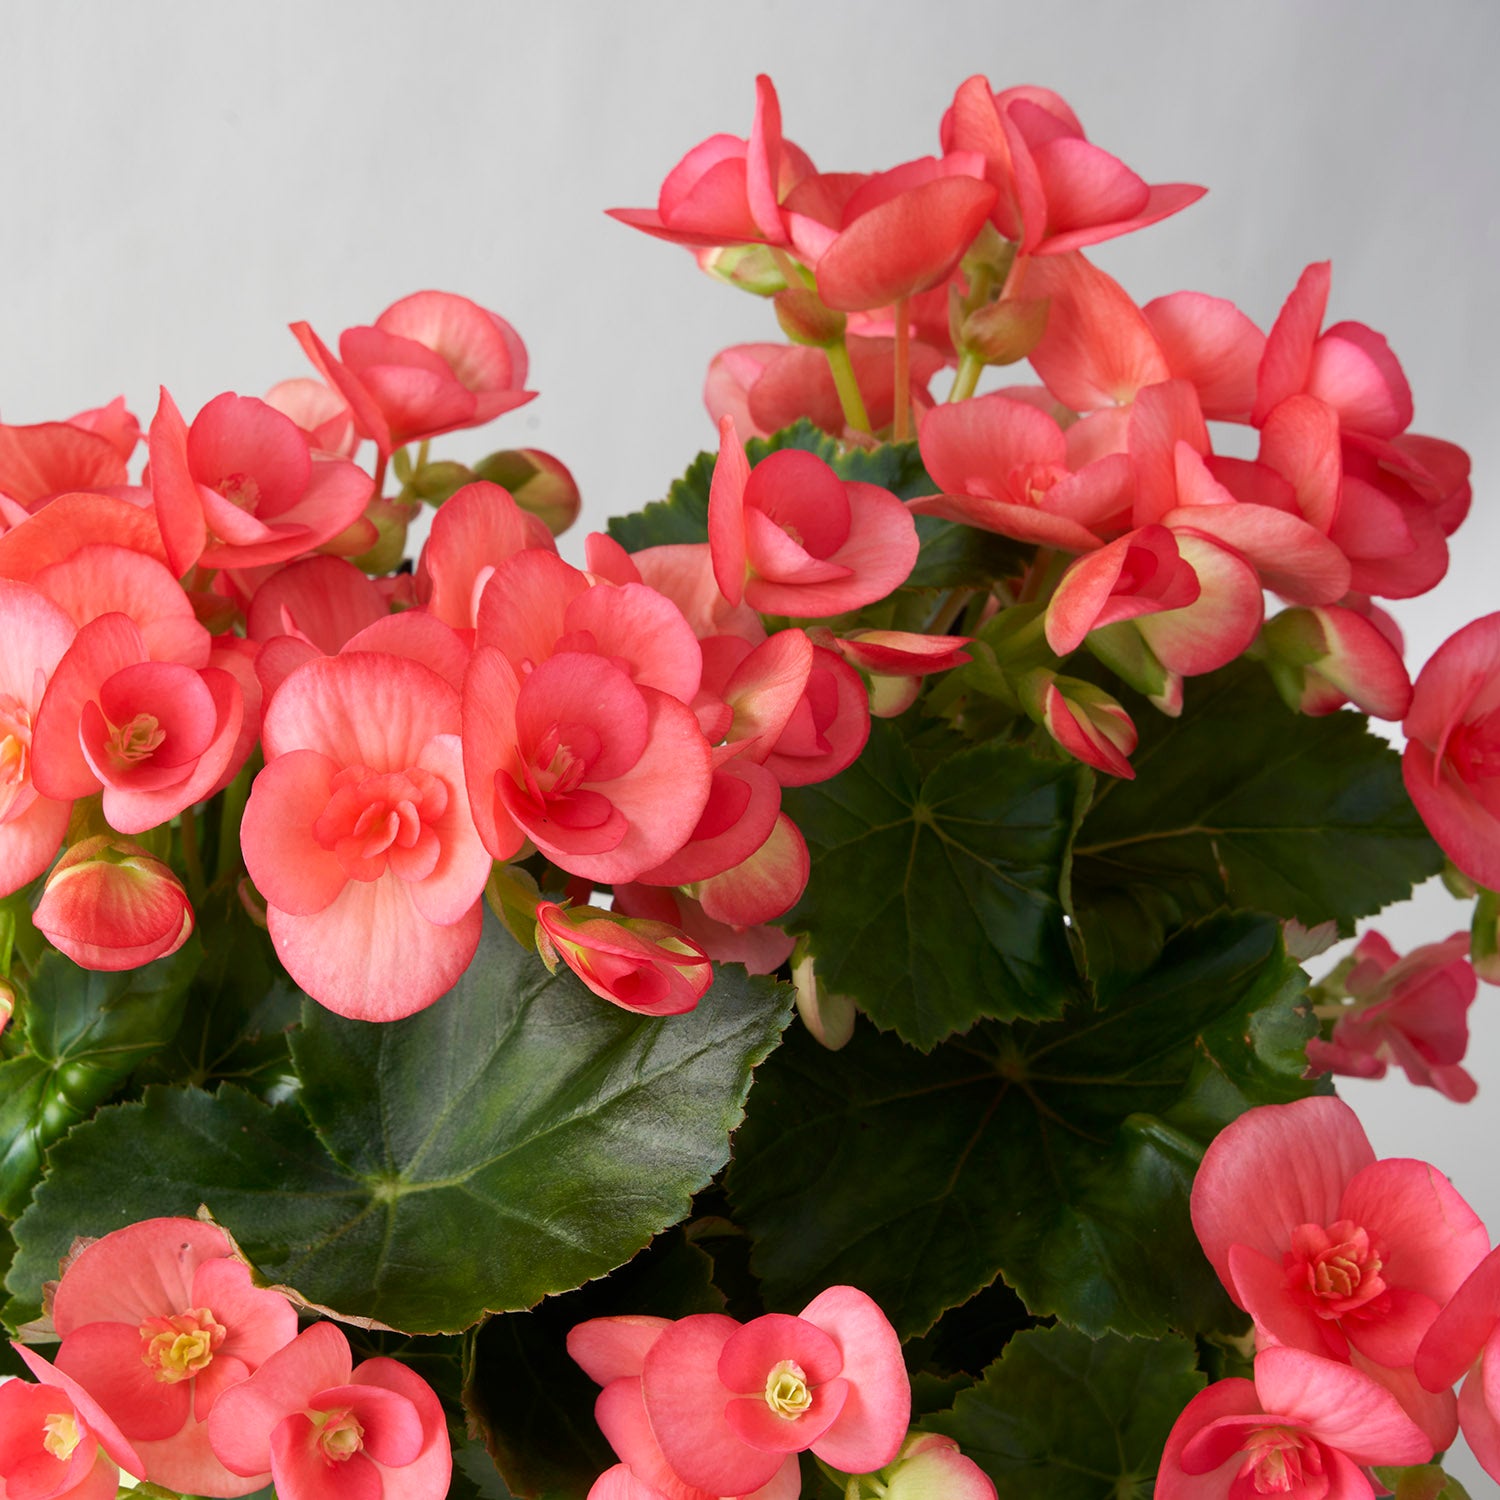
[
  {"x": 1243, "y": 803},
  {"x": 475, "y": 1476},
  {"x": 85, "y": 1033},
  {"x": 516, "y": 1138},
  {"x": 534, "y": 1405},
  {"x": 934, "y": 901},
  {"x": 1062, "y": 1416},
  {"x": 241, "y": 1007},
  {"x": 1059, "y": 1155},
  {"x": 956, "y": 556}
]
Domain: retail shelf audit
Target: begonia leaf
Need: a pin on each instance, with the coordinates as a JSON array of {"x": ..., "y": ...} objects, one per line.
[
  {"x": 934, "y": 898},
  {"x": 533, "y": 1405},
  {"x": 85, "y": 1033},
  {"x": 516, "y": 1138},
  {"x": 1062, "y": 1416},
  {"x": 1243, "y": 803},
  {"x": 1058, "y": 1155}
]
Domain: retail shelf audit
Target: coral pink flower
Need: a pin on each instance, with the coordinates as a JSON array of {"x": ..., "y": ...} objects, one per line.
[
  {"x": 1464, "y": 1343},
  {"x": 53, "y": 458},
  {"x": 792, "y": 538},
  {"x": 720, "y": 1407},
  {"x": 1452, "y": 760},
  {"x": 642, "y": 966},
  {"x": 240, "y": 487},
  {"x": 1056, "y": 190},
  {"x": 109, "y": 904},
  {"x": 50, "y": 1448},
  {"x": 1329, "y": 1250},
  {"x": 1324, "y": 657},
  {"x": 37, "y": 635},
  {"x": 358, "y": 834},
  {"x": 327, "y": 1428},
  {"x": 727, "y": 191},
  {"x": 1412, "y": 1011},
  {"x": 874, "y": 240},
  {"x": 432, "y": 362},
  {"x": 1304, "y": 1429},
  {"x": 157, "y": 1321}
]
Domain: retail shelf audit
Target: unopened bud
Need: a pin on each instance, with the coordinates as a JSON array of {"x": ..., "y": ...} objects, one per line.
[
  {"x": 805, "y": 320},
  {"x": 109, "y": 905},
  {"x": 438, "y": 481},
  {"x": 391, "y": 518},
  {"x": 1089, "y": 724},
  {"x": 751, "y": 268},
  {"x": 538, "y": 483},
  {"x": 643, "y": 966},
  {"x": 1001, "y": 333},
  {"x": 829, "y": 1017}
]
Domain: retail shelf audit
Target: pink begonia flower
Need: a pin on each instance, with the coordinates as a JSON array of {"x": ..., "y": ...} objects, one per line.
[
  {"x": 115, "y": 423},
  {"x": 728, "y": 191},
  {"x": 59, "y": 530},
  {"x": 241, "y": 488},
  {"x": 646, "y": 967},
  {"x": 37, "y": 635},
  {"x": 1304, "y": 1428},
  {"x": 54, "y": 458},
  {"x": 1331, "y": 1251},
  {"x": 605, "y": 775},
  {"x": 155, "y": 736},
  {"x": 1412, "y": 1011},
  {"x": 766, "y": 387},
  {"x": 756, "y": 690},
  {"x": 322, "y": 414},
  {"x": 109, "y": 904},
  {"x": 359, "y": 837},
  {"x": 326, "y": 1428},
  {"x": 826, "y": 730},
  {"x": 1451, "y": 764},
  {"x": 157, "y": 1321},
  {"x": 1056, "y": 191},
  {"x": 49, "y": 1449},
  {"x": 790, "y": 537},
  {"x": 707, "y": 1404},
  {"x": 744, "y": 800},
  {"x": 1003, "y": 467},
  {"x": 321, "y": 600},
  {"x": 433, "y": 362},
  {"x": 475, "y": 530},
  {"x": 872, "y": 240},
  {"x": 761, "y": 948},
  {"x": 1464, "y": 1343}
]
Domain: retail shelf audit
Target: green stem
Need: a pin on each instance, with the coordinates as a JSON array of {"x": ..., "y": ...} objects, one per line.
[
  {"x": 847, "y": 386},
  {"x": 380, "y": 464},
  {"x": 191, "y": 856},
  {"x": 970, "y": 368},
  {"x": 948, "y": 611},
  {"x": 901, "y": 429}
]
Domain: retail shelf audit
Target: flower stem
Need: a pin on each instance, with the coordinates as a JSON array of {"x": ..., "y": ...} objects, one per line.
[
  {"x": 970, "y": 367},
  {"x": 847, "y": 386},
  {"x": 901, "y": 429},
  {"x": 191, "y": 857}
]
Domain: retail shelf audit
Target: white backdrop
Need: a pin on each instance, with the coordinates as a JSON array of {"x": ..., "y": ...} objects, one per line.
[{"x": 182, "y": 180}]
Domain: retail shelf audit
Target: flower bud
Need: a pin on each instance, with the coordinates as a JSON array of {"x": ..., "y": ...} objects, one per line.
[
  {"x": 108, "y": 904},
  {"x": 642, "y": 966},
  {"x": 751, "y": 268},
  {"x": 436, "y": 481},
  {"x": 928, "y": 1467},
  {"x": 805, "y": 320},
  {"x": 537, "y": 483},
  {"x": 1082, "y": 718},
  {"x": 391, "y": 518},
  {"x": 1325, "y": 657},
  {"x": 1001, "y": 333},
  {"x": 829, "y": 1017}
]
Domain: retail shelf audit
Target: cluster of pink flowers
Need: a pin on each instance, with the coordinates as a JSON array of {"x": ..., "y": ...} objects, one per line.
[
  {"x": 1373, "y": 1290},
  {"x": 177, "y": 1369},
  {"x": 706, "y": 1407},
  {"x": 1109, "y": 461},
  {"x": 633, "y": 721}
]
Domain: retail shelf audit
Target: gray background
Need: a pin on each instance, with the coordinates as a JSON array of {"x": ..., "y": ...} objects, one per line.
[{"x": 182, "y": 180}]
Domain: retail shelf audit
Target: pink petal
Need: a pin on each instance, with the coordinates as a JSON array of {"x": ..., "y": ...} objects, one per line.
[
  {"x": 872, "y": 1424},
  {"x": 1275, "y": 1168},
  {"x": 753, "y": 1350},
  {"x": 753, "y": 1421},
  {"x": 1300, "y": 440},
  {"x": 613, "y": 1348},
  {"x": 427, "y": 1476},
  {"x": 1461, "y": 1330},
  {"x": 684, "y": 1401},
  {"x": 1259, "y": 1285},
  {"x": 105, "y": 1359},
  {"x": 113, "y": 1441},
  {"x": 1289, "y": 346},
  {"x": 303, "y": 1473},
  {"x": 290, "y": 868},
  {"x": 726, "y": 513},
  {"x": 1210, "y": 342}
]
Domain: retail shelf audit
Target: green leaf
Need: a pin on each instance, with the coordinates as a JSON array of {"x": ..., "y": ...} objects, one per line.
[
  {"x": 534, "y": 1406},
  {"x": 241, "y": 1009},
  {"x": 1058, "y": 1155},
  {"x": 956, "y": 556},
  {"x": 85, "y": 1033},
  {"x": 934, "y": 899},
  {"x": 1061, "y": 1416},
  {"x": 517, "y": 1138},
  {"x": 1243, "y": 803}
]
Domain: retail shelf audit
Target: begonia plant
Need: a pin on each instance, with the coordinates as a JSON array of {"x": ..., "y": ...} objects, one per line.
[{"x": 807, "y": 997}]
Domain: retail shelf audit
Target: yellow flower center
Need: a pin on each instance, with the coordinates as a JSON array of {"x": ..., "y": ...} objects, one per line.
[
  {"x": 786, "y": 1389},
  {"x": 62, "y": 1435},
  {"x": 340, "y": 1436},
  {"x": 181, "y": 1346}
]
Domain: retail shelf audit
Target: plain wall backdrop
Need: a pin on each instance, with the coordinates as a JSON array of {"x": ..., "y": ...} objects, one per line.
[{"x": 182, "y": 180}]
